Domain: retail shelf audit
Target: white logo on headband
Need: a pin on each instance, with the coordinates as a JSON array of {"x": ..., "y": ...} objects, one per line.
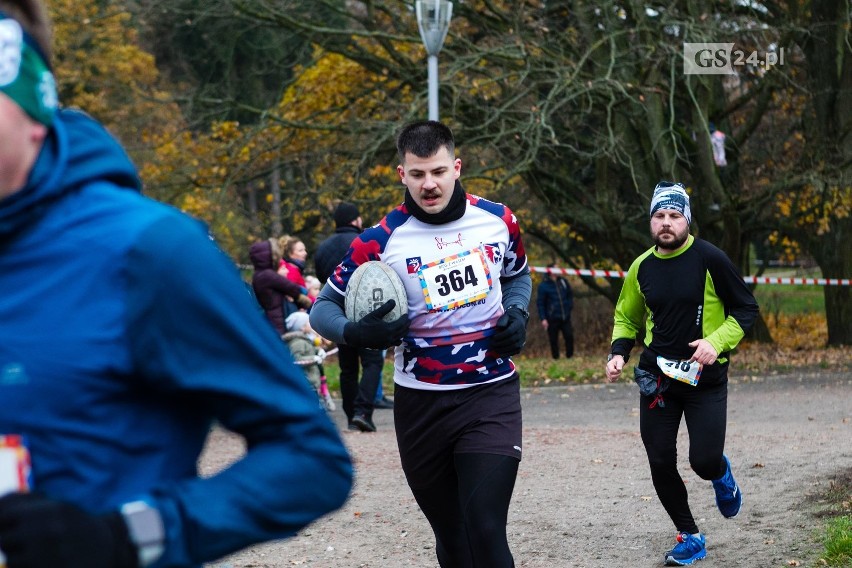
[
  {"x": 47, "y": 90},
  {"x": 671, "y": 196},
  {"x": 11, "y": 42}
]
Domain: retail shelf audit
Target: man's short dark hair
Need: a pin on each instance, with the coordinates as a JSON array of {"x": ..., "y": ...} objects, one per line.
[{"x": 424, "y": 138}]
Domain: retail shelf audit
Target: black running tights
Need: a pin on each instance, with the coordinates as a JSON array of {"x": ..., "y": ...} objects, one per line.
[
  {"x": 705, "y": 410},
  {"x": 468, "y": 510}
]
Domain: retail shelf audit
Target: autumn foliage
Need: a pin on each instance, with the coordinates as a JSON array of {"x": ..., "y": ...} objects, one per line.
[{"x": 568, "y": 112}]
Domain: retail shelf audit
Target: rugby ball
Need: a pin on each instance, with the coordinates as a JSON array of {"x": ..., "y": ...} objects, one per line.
[{"x": 371, "y": 285}]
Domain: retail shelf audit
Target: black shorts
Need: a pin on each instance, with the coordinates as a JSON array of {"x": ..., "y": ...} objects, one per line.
[{"x": 433, "y": 426}]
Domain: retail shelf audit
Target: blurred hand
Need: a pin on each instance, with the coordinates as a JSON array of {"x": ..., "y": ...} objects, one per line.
[{"x": 37, "y": 532}]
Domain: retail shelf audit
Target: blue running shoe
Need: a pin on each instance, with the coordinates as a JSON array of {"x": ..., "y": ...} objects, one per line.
[
  {"x": 729, "y": 498},
  {"x": 688, "y": 549}
]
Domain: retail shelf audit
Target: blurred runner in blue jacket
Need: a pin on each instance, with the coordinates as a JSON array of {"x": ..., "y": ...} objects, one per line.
[{"x": 126, "y": 333}]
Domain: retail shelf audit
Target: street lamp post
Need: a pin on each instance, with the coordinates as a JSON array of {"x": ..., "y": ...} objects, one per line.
[{"x": 433, "y": 19}]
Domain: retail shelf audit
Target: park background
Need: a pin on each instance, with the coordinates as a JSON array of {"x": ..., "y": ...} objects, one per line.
[{"x": 258, "y": 116}]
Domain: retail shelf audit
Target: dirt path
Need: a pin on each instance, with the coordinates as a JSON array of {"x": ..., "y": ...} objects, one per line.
[{"x": 584, "y": 497}]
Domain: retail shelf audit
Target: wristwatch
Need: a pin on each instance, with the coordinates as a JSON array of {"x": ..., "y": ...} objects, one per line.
[
  {"x": 145, "y": 527},
  {"x": 611, "y": 355}
]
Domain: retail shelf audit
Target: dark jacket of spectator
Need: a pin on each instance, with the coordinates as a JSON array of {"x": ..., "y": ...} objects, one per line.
[
  {"x": 555, "y": 300},
  {"x": 332, "y": 250},
  {"x": 269, "y": 287}
]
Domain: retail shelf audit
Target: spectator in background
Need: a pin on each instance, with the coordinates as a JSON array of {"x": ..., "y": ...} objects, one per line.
[
  {"x": 358, "y": 397},
  {"x": 115, "y": 392},
  {"x": 309, "y": 350},
  {"x": 292, "y": 267},
  {"x": 381, "y": 401},
  {"x": 313, "y": 285},
  {"x": 348, "y": 225},
  {"x": 555, "y": 301},
  {"x": 270, "y": 288},
  {"x": 306, "y": 347},
  {"x": 293, "y": 257}
]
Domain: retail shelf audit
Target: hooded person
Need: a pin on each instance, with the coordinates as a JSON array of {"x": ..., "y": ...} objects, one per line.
[{"x": 271, "y": 289}]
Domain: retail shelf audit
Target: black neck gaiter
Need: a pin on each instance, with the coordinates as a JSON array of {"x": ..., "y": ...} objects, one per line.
[{"x": 452, "y": 212}]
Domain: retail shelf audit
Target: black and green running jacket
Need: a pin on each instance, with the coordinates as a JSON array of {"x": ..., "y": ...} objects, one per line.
[{"x": 693, "y": 293}]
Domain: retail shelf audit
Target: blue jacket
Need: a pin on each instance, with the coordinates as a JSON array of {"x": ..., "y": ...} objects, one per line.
[
  {"x": 124, "y": 334},
  {"x": 555, "y": 299}
]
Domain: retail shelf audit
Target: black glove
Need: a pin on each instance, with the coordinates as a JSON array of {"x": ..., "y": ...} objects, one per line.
[
  {"x": 37, "y": 532},
  {"x": 511, "y": 333},
  {"x": 372, "y": 332}
]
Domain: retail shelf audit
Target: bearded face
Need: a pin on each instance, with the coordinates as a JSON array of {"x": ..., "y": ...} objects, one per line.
[{"x": 669, "y": 229}]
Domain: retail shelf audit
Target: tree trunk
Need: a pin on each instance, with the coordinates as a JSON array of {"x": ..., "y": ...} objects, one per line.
[
  {"x": 838, "y": 301},
  {"x": 828, "y": 130},
  {"x": 275, "y": 188},
  {"x": 834, "y": 256},
  {"x": 254, "y": 218}
]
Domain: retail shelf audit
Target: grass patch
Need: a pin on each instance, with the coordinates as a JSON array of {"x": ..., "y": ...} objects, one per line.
[
  {"x": 545, "y": 371},
  {"x": 332, "y": 375},
  {"x": 835, "y": 505},
  {"x": 838, "y": 543},
  {"x": 790, "y": 300}
]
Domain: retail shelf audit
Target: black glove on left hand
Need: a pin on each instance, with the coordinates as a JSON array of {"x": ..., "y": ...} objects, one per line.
[
  {"x": 511, "y": 333},
  {"x": 37, "y": 532},
  {"x": 373, "y": 332}
]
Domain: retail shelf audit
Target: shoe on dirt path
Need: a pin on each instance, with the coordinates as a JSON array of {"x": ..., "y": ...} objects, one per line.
[
  {"x": 689, "y": 548},
  {"x": 729, "y": 498},
  {"x": 363, "y": 423}
]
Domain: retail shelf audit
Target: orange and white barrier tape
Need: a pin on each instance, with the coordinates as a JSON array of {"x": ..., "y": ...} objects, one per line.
[{"x": 749, "y": 279}]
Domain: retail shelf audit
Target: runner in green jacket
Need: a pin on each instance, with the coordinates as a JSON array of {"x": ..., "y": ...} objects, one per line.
[{"x": 694, "y": 308}]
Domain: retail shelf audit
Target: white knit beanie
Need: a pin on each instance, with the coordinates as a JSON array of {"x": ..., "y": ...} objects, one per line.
[
  {"x": 297, "y": 321},
  {"x": 669, "y": 195}
]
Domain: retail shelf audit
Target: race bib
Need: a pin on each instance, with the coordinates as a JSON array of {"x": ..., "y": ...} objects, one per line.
[
  {"x": 14, "y": 464},
  {"x": 14, "y": 470},
  {"x": 684, "y": 371},
  {"x": 455, "y": 281}
]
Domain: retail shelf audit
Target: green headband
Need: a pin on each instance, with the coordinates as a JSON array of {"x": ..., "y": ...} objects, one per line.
[{"x": 24, "y": 75}]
